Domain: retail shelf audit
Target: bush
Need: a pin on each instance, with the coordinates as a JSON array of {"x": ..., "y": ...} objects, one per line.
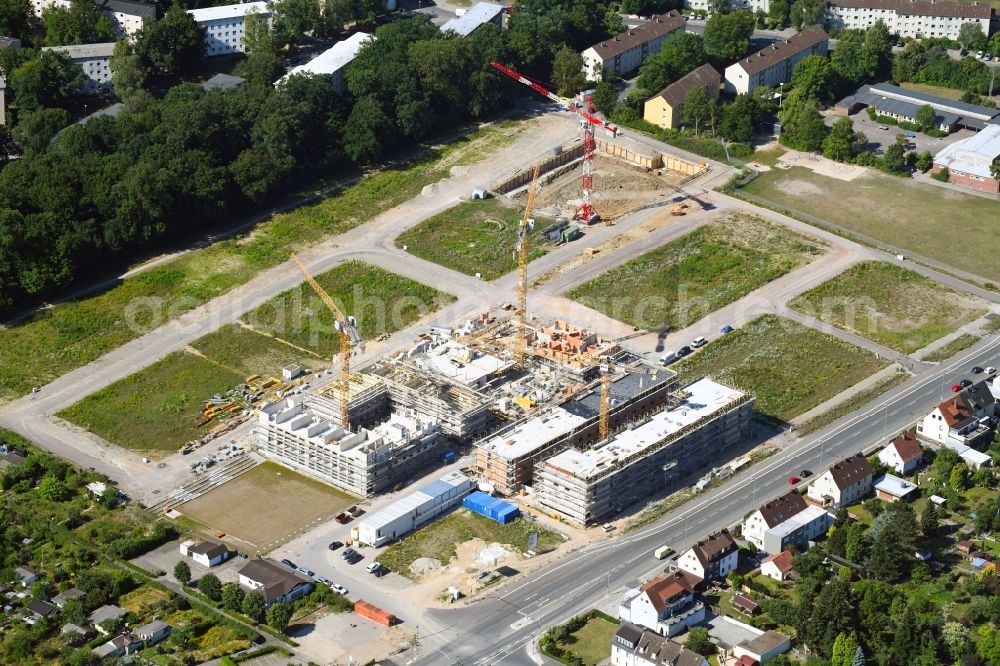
[
  {"x": 936, "y": 133},
  {"x": 941, "y": 175},
  {"x": 870, "y": 110}
]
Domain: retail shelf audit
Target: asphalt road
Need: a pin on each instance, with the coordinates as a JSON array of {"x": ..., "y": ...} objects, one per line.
[{"x": 504, "y": 628}]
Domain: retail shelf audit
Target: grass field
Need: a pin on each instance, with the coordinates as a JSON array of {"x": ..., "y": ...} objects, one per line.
[
  {"x": 439, "y": 539},
  {"x": 153, "y": 410},
  {"x": 592, "y": 641},
  {"x": 890, "y": 305},
  {"x": 907, "y": 214},
  {"x": 945, "y": 352},
  {"x": 855, "y": 402},
  {"x": 681, "y": 282},
  {"x": 473, "y": 237},
  {"x": 72, "y": 334},
  {"x": 142, "y": 600},
  {"x": 266, "y": 504},
  {"x": 940, "y": 91},
  {"x": 789, "y": 367},
  {"x": 252, "y": 353}
]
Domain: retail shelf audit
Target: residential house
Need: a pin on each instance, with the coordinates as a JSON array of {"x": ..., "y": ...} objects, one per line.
[
  {"x": 475, "y": 17},
  {"x": 903, "y": 454},
  {"x": 666, "y": 604},
  {"x": 152, "y": 633},
  {"x": 13, "y": 457},
  {"x": 105, "y": 615},
  {"x": 664, "y": 108},
  {"x": 637, "y": 646},
  {"x": 969, "y": 160},
  {"x": 41, "y": 609},
  {"x": 778, "y": 566},
  {"x": 626, "y": 52},
  {"x": 745, "y": 604},
  {"x": 27, "y": 575},
  {"x": 76, "y": 634},
  {"x": 72, "y": 593},
  {"x": 909, "y": 18},
  {"x": 225, "y": 25},
  {"x": 274, "y": 582},
  {"x": 891, "y": 488},
  {"x": 206, "y": 553},
  {"x": 711, "y": 558},
  {"x": 843, "y": 484},
  {"x": 765, "y": 646},
  {"x": 773, "y": 65},
  {"x": 962, "y": 419},
  {"x": 128, "y": 17},
  {"x": 785, "y": 521},
  {"x": 118, "y": 646},
  {"x": 94, "y": 60}
]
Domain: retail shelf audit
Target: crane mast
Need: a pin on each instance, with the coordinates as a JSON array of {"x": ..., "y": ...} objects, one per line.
[
  {"x": 350, "y": 337},
  {"x": 522, "y": 270}
]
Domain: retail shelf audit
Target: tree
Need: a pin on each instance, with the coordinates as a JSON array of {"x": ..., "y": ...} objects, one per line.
[
  {"x": 697, "y": 107},
  {"x": 35, "y": 130},
  {"x": 127, "y": 73},
  {"x": 805, "y": 13},
  {"x": 45, "y": 81},
  {"x": 210, "y": 586},
  {"x": 926, "y": 117},
  {"x": 182, "y": 572},
  {"x": 842, "y": 143},
  {"x": 844, "y": 647},
  {"x": 878, "y": 48},
  {"x": 605, "y": 97},
  {"x": 682, "y": 52},
  {"x": 52, "y": 489},
  {"x": 567, "y": 71},
  {"x": 995, "y": 172},
  {"x": 988, "y": 648},
  {"x": 279, "y": 615},
  {"x": 727, "y": 36},
  {"x": 232, "y": 597},
  {"x": 364, "y": 131},
  {"x": 802, "y": 126},
  {"x": 254, "y": 606},
  {"x": 853, "y": 60},
  {"x": 959, "y": 477},
  {"x": 970, "y": 36},
  {"x": 859, "y": 657},
  {"x": 929, "y": 520},
  {"x": 956, "y": 637},
  {"x": 740, "y": 119},
  {"x": 924, "y": 161},
  {"x": 82, "y": 22},
  {"x": 812, "y": 77},
  {"x": 173, "y": 44},
  {"x": 294, "y": 18},
  {"x": 831, "y": 614},
  {"x": 15, "y": 18},
  {"x": 777, "y": 14},
  {"x": 894, "y": 160},
  {"x": 698, "y": 641}
]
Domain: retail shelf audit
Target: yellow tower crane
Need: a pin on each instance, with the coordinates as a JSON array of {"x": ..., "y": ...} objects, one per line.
[
  {"x": 522, "y": 270},
  {"x": 350, "y": 338},
  {"x": 603, "y": 425}
]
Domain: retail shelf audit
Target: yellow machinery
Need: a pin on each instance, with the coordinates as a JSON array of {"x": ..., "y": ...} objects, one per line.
[
  {"x": 603, "y": 425},
  {"x": 350, "y": 338},
  {"x": 522, "y": 270}
]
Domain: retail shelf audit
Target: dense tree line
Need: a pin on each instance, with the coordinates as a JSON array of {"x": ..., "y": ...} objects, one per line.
[{"x": 933, "y": 65}]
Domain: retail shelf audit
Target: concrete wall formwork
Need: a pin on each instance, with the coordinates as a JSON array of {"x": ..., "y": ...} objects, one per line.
[{"x": 521, "y": 179}]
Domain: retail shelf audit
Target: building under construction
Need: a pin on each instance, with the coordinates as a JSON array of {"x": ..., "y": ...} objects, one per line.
[
  {"x": 506, "y": 460},
  {"x": 364, "y": 462},
  {"x": 589, "y": 485}
]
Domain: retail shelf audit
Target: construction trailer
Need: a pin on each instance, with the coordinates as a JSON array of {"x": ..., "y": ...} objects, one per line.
[
  {"x": 507, "y": 459},
  {"x": 588, "y": 486},
  {"x": 411, "y": 512},
  {"x": 364, "y": 462},
  {"x": 491, "y": 507}
]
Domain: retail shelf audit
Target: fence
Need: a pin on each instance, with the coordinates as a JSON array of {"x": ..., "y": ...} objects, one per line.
[{"x": 524, "y": 177}]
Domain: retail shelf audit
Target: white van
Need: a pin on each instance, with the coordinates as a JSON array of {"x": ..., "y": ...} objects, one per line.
[
  {"x": 698, "y": 342},
  {"x": 668, "y": 358}
]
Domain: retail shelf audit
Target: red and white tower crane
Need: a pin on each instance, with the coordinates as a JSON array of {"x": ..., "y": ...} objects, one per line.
[{"x": 588, "y": 121}]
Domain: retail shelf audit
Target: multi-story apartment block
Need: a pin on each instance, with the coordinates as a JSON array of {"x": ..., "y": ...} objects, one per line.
[
  {"x": 128, "y": 17},
  {"x": 625, "y": 53},
  {"x": 773, "y": 65},
  {"x": 909, "y": 18},
  {"x": 225, "y": 26},
  {"x": 94, "y": 60}
]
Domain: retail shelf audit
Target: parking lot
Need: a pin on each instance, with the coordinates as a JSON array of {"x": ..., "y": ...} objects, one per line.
[{"x": 880, "y": 139}]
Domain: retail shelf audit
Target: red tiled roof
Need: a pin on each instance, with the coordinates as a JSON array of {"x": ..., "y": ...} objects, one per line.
[
  {"x": 907, "y": 447},
  {"x": 954, "y": 411},
  {"x": 665, "y": 587},
  {"x": 782, "y": 560}
]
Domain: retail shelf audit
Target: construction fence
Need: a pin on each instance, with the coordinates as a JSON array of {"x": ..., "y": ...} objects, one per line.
[{"x": 522, "y": 178}]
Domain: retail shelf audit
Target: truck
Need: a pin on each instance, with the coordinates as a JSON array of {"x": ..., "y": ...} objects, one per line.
[
  {"x": 663, "y": 552},
  {"x": 343, "y": 518},
  {"x": 448, "y": 457}
]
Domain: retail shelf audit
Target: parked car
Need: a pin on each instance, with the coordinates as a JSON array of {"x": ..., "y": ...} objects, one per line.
[
  {"x": 884, "y": 127},
  {"x": 805, "y": 474},
  {"x": 700, "y": 341},
  {"x": 965, "y": 382},
  {"x": 955, "y": 388},
  {"x": 990, "y": 370},
  {"x": 979, "y": 55},
  {"x": 963, "y": 53},
  {"x": 334, "y": 545},
  {"x": 372, "y": 567},
  {"x": 288, "y": 563},
  {"x": 792, "y": 480},
  {"x": 976, "y": 370},
  {"x": 343, "y": 518},
  {"x": 381, "y": 571},
  {"x": 355, "y": 558},
  {"x": 347, "y": 553},
  {"x": 304, "y": 571},
  {"x": 684, "y": 351},
  {"x": 668, "y": 358},
  {"x": 726, "y": 329},
  {"x": 339, "y": 589},
  {"x": 608, "y": 527},
  {"x": 988, "y": 56},
  {"x": 324, "y": 580}
]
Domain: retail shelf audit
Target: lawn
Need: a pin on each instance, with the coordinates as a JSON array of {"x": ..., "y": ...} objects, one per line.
[
  {"x": 143, "y": 600},
  {"x": 473, "y": 237},
  {"x": 961, "y": 343},
  {"x": 154, "y": 409},
  {"x": 890, "y": 305},
  {"x": 72, "y": 334},
  {"x": 592, "y": 641},
  {"x": 383, "y": 302},
  {"x": 252, "y": 353},
  {"x": 439, "y": 539},
  {"x": 907, "y": 214},
  {"x": 854, "y": 403},
  {"x": 267, "y": 504},
  {"x": 686, "y": 279},
  {"x": 789, "y": 367},
  {"x": 940, "y": 91}
]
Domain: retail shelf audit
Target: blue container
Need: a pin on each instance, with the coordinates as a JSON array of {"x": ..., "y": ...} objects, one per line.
[
  {"x": 448, "y": 457},
  {"x": 491, "y": 507}
]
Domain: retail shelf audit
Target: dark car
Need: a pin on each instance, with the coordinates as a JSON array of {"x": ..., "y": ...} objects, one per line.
[
  {"x": 334, "y": 545},
  {"x": 381, "y": 571},
  {"x": 288, "y": 563},
  {"x": 965, "y": 382},
  {"x": 976, "y": 370},
  {"x": 805, "y": 474},
  {"x": 354, "y": 557},
  {"x": 684, "y": 351},
  {"x": 348, "y": 553}
]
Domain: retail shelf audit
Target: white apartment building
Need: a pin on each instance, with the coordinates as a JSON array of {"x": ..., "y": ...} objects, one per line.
[
  {"x": 909, "y": 18},
  {"x": 126, "y": 16},
  {"x": 785, "y": 521},
  {"x": 364, "y": 462},
  {"x": 752, "y": 5},
  {"x": 94, "y": 60},
  {"x": 225, "y": 26},
  {"x": 773, "y": 65},
  {"x": 667, "y": 605},
  {"x": 624, "y": 53},
  {"x": 333, "y": 61},
  {"x": 843, "y": 484},
  {"x": 962, "y": 420},
  {"x": 633, "y": 645}
]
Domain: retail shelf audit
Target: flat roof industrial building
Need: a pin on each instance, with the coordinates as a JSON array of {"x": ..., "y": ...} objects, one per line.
[
  {"x": 902, "y": 104},
  {"x": 409, "y": 513}
]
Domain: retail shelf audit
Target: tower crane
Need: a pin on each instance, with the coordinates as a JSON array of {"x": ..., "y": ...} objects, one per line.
[
  {"x": 585, "y": 213},
  {"x": 522, "y": 269},
  {"x": 605, "y": 405},
  {"x": 350, "y": 338}
]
